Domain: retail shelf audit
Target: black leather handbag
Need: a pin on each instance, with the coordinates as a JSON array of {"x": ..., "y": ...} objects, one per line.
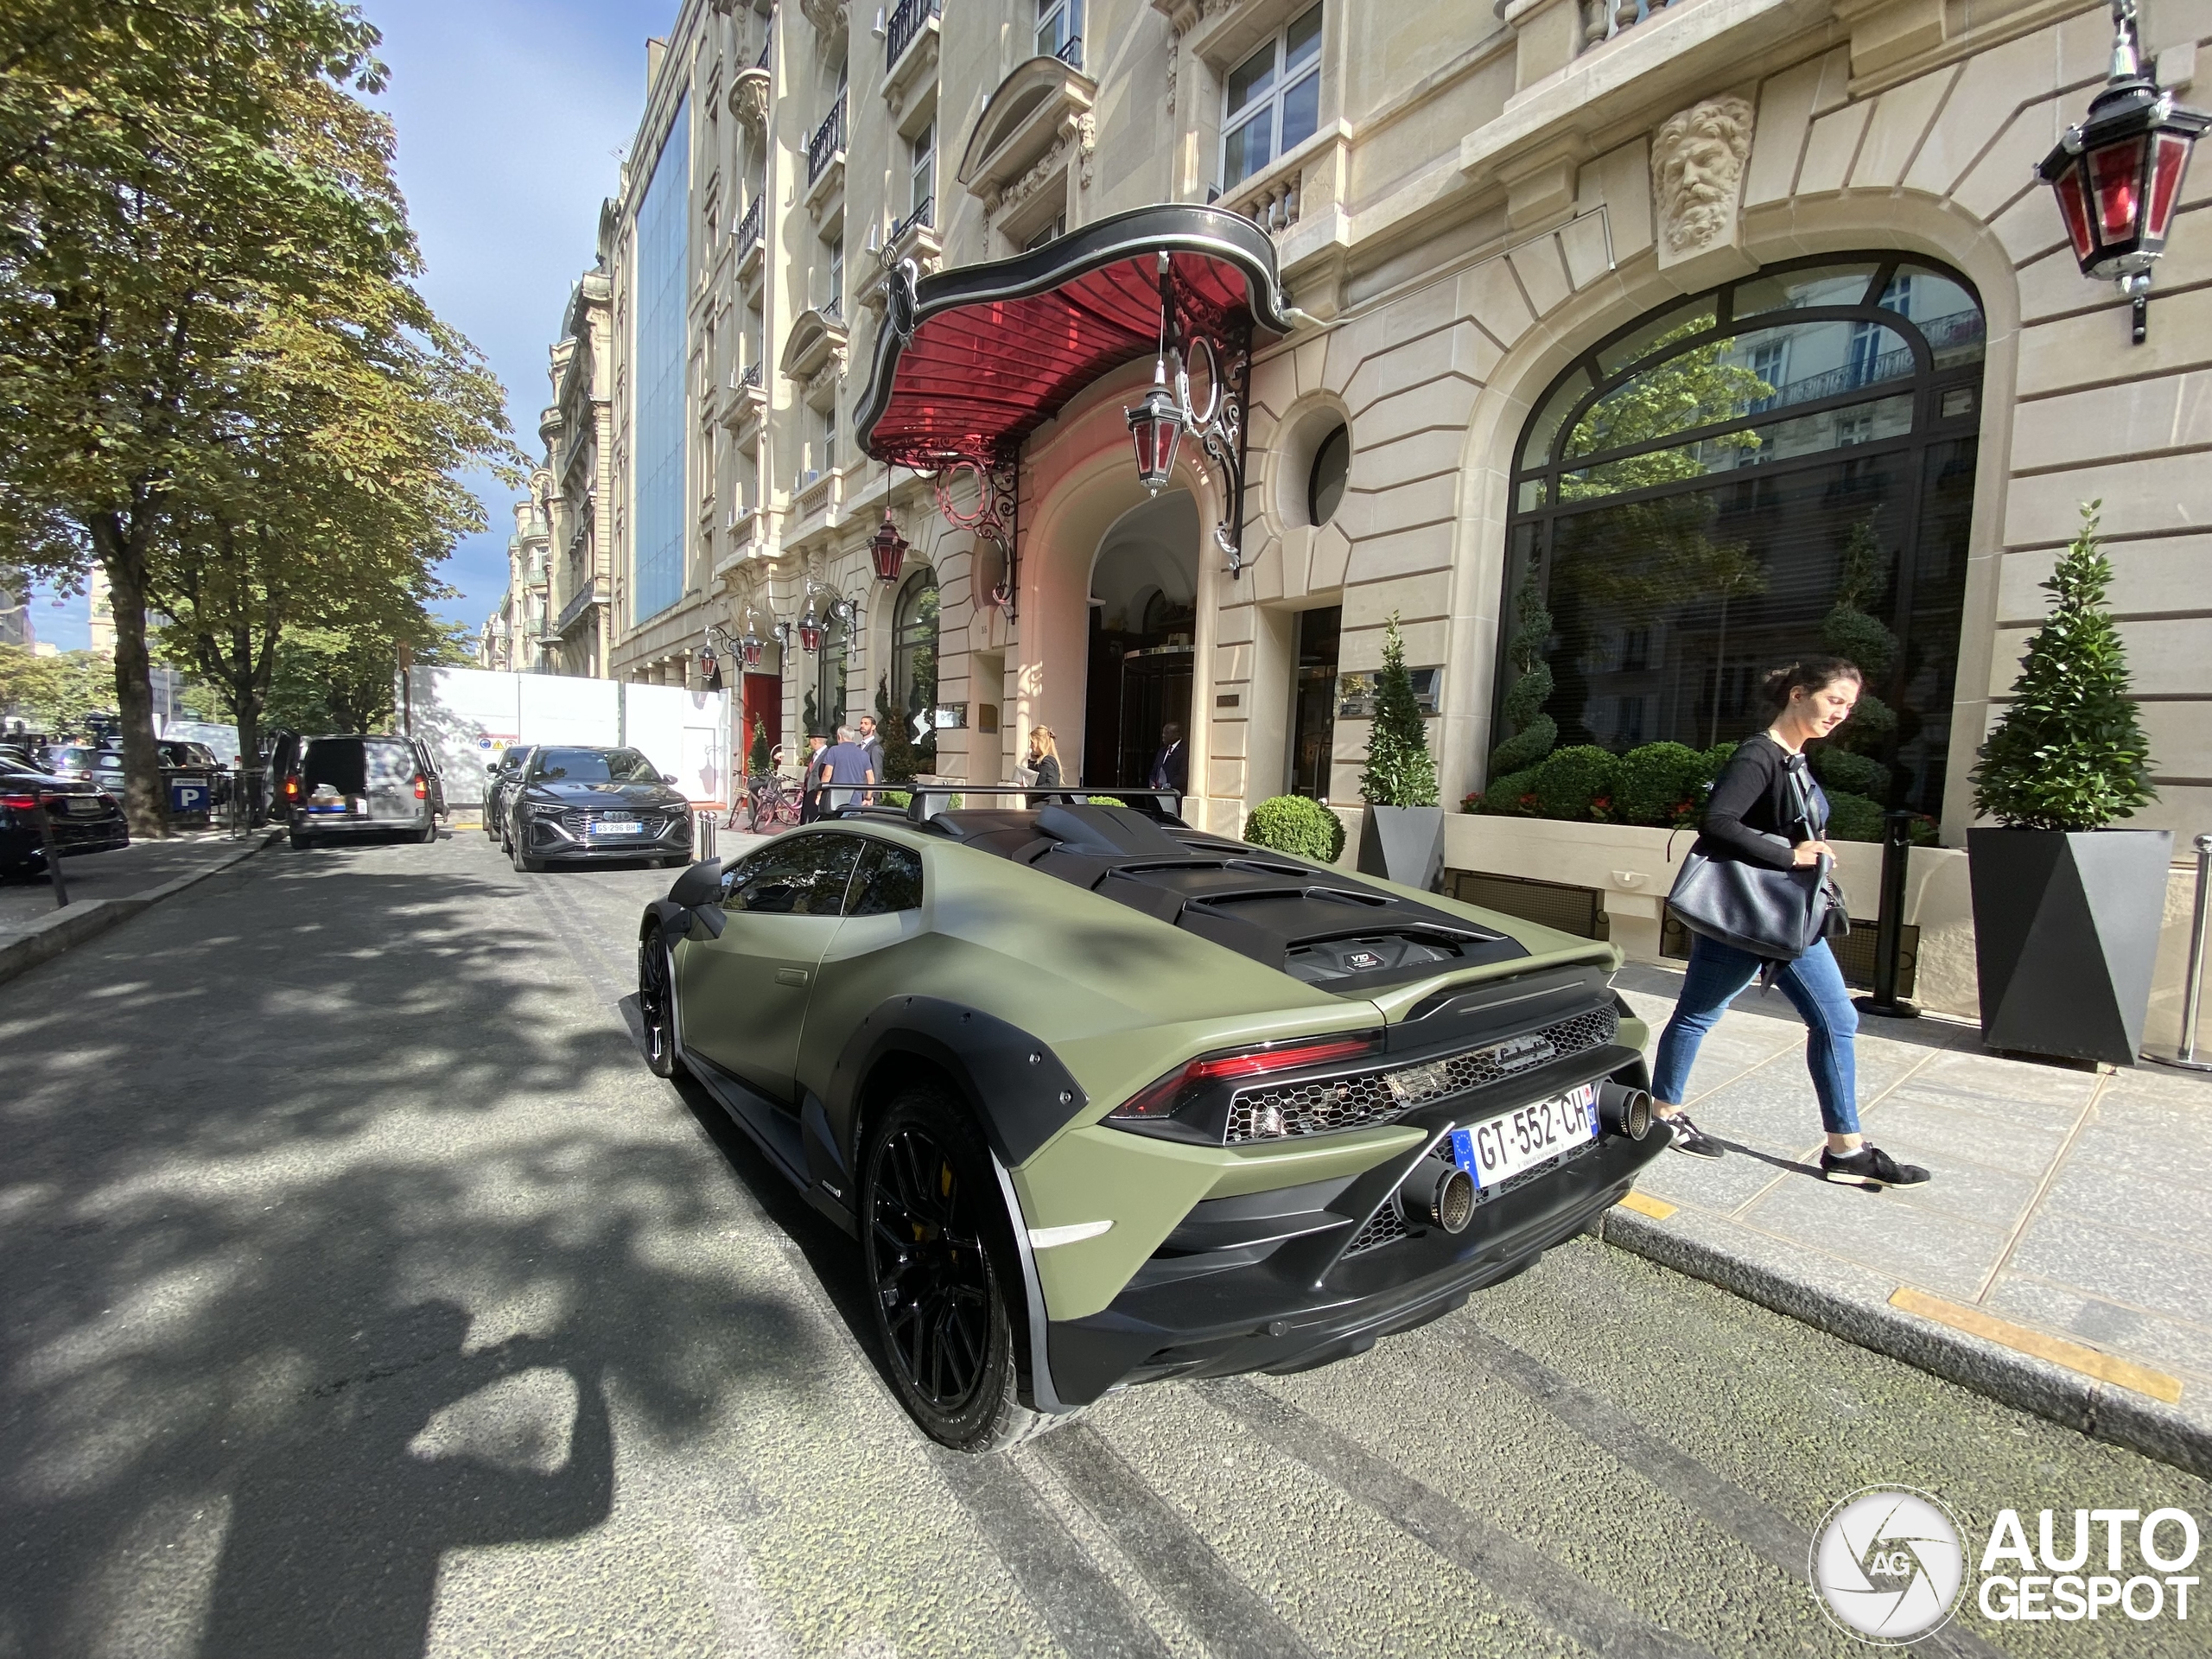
[{"x": 1777, "y": 915}]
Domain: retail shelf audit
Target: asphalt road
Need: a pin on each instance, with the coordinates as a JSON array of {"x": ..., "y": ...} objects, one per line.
[{"x": 364, "y": 1295}]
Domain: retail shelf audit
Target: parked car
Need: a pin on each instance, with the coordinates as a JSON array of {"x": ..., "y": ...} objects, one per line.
[
  {"x": 499, "y": 785},
  {"x": 582, "y": 806},
  {"x": 1105, "y": 1099},
  {"x": 78, "y": 761},
  {"x": 86, "y": 818},
  {"x": 343, "y": 786}
]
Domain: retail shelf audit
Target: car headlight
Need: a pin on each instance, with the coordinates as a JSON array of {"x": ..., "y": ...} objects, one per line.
[{"x": 542, "y": 810}]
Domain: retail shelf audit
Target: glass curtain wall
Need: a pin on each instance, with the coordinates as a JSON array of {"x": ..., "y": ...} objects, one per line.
[
  {"x": 658, "y": 370},
  {"x": 1780, "y": 468}
]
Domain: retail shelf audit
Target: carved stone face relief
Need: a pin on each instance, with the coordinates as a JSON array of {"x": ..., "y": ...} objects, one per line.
[{"x": 1697, "y": 172}]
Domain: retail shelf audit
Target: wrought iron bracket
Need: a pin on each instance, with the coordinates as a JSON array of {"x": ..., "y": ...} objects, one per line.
[
  {"x": 996, "y": 516},
  {"x": 1220, "y": 433}
]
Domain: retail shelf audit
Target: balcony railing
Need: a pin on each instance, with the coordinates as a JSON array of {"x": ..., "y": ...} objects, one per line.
[
  {"x": 748, "y": 228},
  {"x": 761, "y": 62},
  {"x": 1071, "y": 53},
  {"x": 923, "y": 214},
  {"x": 906, "y": 21},
  {"x": 827, "y": 141},
  {"x": 752, "y": 375}
]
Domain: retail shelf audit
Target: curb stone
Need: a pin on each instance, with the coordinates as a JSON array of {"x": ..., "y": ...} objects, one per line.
[
  {"x": 1852, "y": 1303},
  {"x": 64, "y": 929}
]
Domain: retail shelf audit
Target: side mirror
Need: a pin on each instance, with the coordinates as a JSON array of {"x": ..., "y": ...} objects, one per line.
[
  {"x": 700, "y": 885},
  {"x": 668, "y": 776}
]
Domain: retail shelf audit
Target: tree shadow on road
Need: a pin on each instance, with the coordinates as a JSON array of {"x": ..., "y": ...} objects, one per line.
[{"x": 342, "y": 1232}]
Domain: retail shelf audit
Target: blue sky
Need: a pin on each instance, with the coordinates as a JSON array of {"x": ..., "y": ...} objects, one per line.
[{"x": 510, "y": 114}]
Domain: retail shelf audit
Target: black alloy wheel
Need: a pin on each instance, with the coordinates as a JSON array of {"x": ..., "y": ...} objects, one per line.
[
  {"x": 939, "y": 1256},
  {"x": 656, "y": 1005}
]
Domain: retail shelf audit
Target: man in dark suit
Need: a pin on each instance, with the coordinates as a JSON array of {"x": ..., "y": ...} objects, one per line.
[
  {"x": 872, "y": 741},
  {"x": 1171, "y": 767}
]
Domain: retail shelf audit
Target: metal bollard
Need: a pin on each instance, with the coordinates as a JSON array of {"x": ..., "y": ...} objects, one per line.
[
  {"x": 2192, "y": 995},
  {"x": 1889, "y": 930},
  {"x": 702, "y": 834}
]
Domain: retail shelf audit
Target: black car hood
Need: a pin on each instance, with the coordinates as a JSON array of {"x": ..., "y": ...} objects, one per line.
[{"x": 552, "y": 792}]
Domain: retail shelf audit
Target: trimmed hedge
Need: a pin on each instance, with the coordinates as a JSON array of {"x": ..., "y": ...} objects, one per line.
[
  {"x": 1298, "y": 825},
  {"x": 1660, "y": 785},
  {"x": 1572, "y": 782}
]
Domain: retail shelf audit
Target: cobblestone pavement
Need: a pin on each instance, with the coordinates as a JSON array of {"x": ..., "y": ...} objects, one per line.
[{"x": 366, "y": 1296}]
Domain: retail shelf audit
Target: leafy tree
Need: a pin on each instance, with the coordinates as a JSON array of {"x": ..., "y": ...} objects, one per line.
[
  {"x": 900, "y": 757},
  {"x": 2069, "y": 752},
  {"x": 341, "y": 679},
  {"x": 54, "y": 694},
  {"x": 761, "y": 759},
  {"x": 1400, "y": 771}
]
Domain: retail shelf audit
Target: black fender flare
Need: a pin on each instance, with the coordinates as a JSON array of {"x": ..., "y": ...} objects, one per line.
[{"x": 1014, "y": 1083}]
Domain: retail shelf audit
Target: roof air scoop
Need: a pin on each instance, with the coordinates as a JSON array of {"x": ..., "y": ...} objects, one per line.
[{"x": 1108, "y": 832}]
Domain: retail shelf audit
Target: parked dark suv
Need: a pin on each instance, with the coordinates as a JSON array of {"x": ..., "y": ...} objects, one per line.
[
  {"x": 579, "y": 805},
  {"x": 86, "y": 818},
  {"x": 345, "y": 786}
]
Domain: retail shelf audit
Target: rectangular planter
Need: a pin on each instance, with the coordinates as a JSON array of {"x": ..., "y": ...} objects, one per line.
[
  {"x": 1404, "y": 844},
  {"x": 2066, "y": 933}
]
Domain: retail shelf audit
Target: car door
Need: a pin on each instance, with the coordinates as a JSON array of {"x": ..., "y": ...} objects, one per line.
[{"x": 745, "y": 993}]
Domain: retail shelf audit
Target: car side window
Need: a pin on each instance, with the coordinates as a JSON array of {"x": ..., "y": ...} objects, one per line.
[
  {"x": 889, "y": 878},
  {"x": 805, "y": 876}
]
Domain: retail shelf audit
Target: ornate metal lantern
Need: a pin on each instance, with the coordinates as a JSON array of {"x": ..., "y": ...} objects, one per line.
[
  {"x": 887, "y": 548},
  {"x": 1155, "y": 424},
  {"x": 810, "y": 630},
  {"x": 2118, "y": 176}
]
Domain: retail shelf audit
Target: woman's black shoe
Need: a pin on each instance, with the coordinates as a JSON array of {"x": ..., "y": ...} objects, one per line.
[
  {"x": 1870, "y": 1167},
  {"x": 1691, "y": 1139}
]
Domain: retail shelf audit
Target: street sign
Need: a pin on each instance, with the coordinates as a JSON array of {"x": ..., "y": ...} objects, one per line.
[{"x": 190, "y": 795}]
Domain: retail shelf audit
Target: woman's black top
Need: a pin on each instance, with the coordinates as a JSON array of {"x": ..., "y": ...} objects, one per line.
[
  {"x": 1048, "y": 771},
  {"x": 1756, "y": 812}
]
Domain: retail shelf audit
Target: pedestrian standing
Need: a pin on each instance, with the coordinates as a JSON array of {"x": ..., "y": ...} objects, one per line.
[
  {"x": 1171, "y": 767},
  {"x": 842, "y": 764},
  {"x": 871, "y": 742},
  {"x": 1766, "y": 809},
  {"x": 1043, "y": 768},
  {"x": 810, "y": 806}
]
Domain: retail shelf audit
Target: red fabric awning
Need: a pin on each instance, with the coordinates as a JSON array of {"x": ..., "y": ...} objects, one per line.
[{"x": 994, "y": 351}]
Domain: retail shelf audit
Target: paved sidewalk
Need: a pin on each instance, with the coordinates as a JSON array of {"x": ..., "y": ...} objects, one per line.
[
  {"x": 130, "y": 873},
  {"x": 2061, "y": 1259}
]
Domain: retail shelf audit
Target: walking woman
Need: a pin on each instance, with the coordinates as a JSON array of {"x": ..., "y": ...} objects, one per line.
[{"x": 1765, "y": 809}]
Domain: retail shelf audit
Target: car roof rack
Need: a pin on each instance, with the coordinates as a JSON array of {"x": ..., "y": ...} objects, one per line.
[{"x": 927, "y": 801}]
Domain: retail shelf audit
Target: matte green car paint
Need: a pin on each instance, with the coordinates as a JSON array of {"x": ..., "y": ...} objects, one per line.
[{"x": 1123, "y": 999}]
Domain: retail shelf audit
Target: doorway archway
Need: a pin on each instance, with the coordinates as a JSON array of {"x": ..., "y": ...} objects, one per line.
[{"x": 1143, "y": 604}]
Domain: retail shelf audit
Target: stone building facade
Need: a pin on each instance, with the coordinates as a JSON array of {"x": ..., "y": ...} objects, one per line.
[{"x": 1509, "y": 239}]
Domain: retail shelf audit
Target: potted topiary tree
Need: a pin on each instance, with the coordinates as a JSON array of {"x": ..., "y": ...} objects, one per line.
[
  {"x": 1402, "y": 839},
  {"x": 2066, "y": 910},
  {"x": 1296, "y": 823}
]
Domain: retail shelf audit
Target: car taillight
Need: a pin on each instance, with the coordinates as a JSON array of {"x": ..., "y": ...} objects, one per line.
[
  {"x": 421, "y": 788},
  {"x": 20, "y": 803},
  {"x": 1178, "y": 1089},
  {"x": 291, "y": 789}
]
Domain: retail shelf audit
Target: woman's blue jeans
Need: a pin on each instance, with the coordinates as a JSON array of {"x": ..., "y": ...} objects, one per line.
[{"x": 1814, "y": 985}]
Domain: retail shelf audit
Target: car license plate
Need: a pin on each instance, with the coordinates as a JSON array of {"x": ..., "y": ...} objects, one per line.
[
  {"x": 1499, "y": 1147},
  {"x": 84, "y": 805},
  {"x": 617, "y": 827}
]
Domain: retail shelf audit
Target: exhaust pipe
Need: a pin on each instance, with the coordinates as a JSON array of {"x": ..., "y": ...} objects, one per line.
[
  {"x": 1625, "y": 1110},
  {"x": 1434, "y": 1196}
]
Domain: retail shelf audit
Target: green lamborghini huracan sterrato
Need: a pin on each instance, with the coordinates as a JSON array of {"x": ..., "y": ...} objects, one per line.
[{"x": 1106, "y": 1099}]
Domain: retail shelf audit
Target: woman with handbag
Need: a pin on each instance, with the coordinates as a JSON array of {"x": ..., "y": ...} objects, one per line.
[
  {"x": 1043, "y": 769},
  {"x": 1756, "y": 896}
]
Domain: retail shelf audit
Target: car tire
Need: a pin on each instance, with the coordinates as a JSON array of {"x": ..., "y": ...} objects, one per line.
[
  {"x": 524, "y": 863},
  {"x": 656, "y": 1005},
  {"x": 301, "y": 843},
  {"x": 939, "y": 1255},
  {"x": 428, "y": 833}
]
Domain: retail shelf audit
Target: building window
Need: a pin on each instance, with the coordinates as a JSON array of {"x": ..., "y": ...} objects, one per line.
[
  {"x": 1313, "y": 712},
  {"x": 1324, "y": 483},
  {"x": 830, "y": 436},
  {"x": 1272, "y": 102},
  {"x": 828, "y": 696},
  {"x": 662, "y": 260},
  {"x": 914, "y": 648},
  {"x": 832, "y": 302},
  {"x": 1049, "y": 232},
  {"x": 1059, "y": 31},
  {"x": 921, "y": 197},
  {"x": 1684, "y": 512}
]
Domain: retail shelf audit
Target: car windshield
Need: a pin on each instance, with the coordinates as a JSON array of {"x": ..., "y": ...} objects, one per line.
[{"x": 596, "y": 766}]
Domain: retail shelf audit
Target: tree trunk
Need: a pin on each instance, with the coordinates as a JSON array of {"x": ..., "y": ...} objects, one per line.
[{"x": 123, "y": 556}]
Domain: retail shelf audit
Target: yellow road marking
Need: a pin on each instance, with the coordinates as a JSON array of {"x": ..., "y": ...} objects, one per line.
[
  {"x": 2072, "y": 1355},
  {"x": 1643, "y": 1206}
]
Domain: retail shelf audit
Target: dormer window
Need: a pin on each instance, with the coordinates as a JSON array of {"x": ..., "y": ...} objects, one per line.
[{"x": 1273, "y": 101}]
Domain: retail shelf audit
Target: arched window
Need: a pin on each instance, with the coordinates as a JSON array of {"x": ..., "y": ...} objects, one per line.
[
  {"x": 913, "y": 645},
  {"x": 829, "y": 675},
  {"x": 1781, "y": 467}
]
